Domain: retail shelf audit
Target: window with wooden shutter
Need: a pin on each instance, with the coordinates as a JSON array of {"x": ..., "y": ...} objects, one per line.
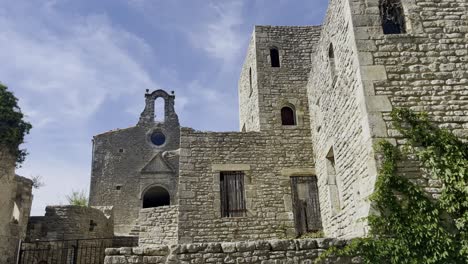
[{"x": 232, "y": 194}]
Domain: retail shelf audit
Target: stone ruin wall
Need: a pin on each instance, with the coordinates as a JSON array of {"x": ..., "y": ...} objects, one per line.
[
  {"x": 425, "y": 69},
  {"x": 338, "y": 122},
  {"x": 264, "y": 252},
  {"x": 15, "y": 207},
  {"x": 71, "y": 222},
  {"x": 267, "y": 161},
  {"x": 158, "y": 226}
]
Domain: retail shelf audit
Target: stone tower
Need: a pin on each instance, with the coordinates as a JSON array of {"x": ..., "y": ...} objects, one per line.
[
  {"x": 137, "y": 167},
  {"x": 274, "y": 76}
]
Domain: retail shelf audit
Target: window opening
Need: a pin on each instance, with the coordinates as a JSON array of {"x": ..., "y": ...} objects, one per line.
[
  {"x": 155, "y": 197},
  {"x": 250, "y": 81},
  {"x": 288, "y": 117},
  {"x": 393, "y": 20},
  {"x": 159, "y": 110},
  {"x": 274, "y": 56},
  {"x": 331, "y": 61},
  {"x": 232, "y": 194},
  {"x": 92, "y": 225}
]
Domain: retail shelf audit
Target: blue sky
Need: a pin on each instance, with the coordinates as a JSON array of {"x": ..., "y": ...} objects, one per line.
[{"x": 80, "y": 68}]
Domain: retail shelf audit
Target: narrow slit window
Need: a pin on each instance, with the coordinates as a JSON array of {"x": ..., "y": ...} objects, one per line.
[
  {"x": 331, "y": 61},
  {"x": 335, "y": 199},
  {"x": 232, "y": 194},
  {"x": 250, "y": 81},
  {"x": 288, "y": 116},
  {"x": 274, "y": 56},
  {"x": 393, "y": 19}
]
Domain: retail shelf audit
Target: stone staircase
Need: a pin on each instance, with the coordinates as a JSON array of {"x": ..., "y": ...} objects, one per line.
[{"x": 135, "y": 231}]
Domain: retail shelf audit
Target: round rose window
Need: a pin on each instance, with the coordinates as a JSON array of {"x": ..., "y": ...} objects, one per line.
[{"x": 158, "y": 138}]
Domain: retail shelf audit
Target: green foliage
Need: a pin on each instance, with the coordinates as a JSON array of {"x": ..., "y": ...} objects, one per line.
[
  {"x": 412, "y": 227},
  {"x": 78, "y": 198},
  {"x": 12, "y": 126}
]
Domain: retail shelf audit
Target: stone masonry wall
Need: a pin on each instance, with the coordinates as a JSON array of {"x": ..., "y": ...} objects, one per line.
[
  {"x": 425, "y": 69},
  {"x": 70, "y": 222},
  {"x": 268, "y": 162},
  {"x": 249, "y": 118},
  {"x": 15, "y": 208},
  {"x": 7, "y": 187},
  {"x": 264, "y": 252},
  {"x": 339, "y": 123},
  {"x": 158, "y": 226}
]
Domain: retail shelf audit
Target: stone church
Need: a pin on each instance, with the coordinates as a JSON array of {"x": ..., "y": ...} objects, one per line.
[{"x": 313, "y": 101}]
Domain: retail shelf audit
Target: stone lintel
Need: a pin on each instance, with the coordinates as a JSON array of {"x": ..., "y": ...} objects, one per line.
[{"x": 230, "y": 167}]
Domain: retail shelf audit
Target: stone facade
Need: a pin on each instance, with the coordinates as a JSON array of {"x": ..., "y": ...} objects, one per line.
[
  {"x": 71, "y": 222},
  {"x": 340, "y": 81},
  {"x": 423, "y": 69},
  {"x": 15, "y": 207},
  {"x": 126, "y": 163},
  {"x": 158, "y": 225},
  {"x": 264, "y": 252}
]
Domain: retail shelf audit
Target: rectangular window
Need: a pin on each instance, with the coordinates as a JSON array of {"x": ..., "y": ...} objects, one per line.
[{"x": 232, "y": 194}]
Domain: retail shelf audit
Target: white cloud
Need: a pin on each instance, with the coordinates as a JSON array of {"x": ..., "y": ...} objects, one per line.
[
  {"x": 221, "y": 36},
  {"x": 64, "y": 68},
  {"x": 83, "y": 64}
]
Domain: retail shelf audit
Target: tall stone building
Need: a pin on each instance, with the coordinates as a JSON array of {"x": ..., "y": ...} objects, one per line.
[{"x": 313, "y": 101}]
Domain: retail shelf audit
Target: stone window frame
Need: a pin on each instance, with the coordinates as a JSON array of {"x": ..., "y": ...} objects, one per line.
[
  {"x": 331, "y": 59},
  {"x": 296, "y": 105},
  {"x": 160, "y": 128},
  {"x": 248, "y": 189}
]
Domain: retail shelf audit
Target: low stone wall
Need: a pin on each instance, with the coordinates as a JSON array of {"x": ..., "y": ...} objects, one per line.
[
  {"x": 71, "y": 222},
  {"x": 264, "y": 252},
  {"x": 158, "y": 226}
]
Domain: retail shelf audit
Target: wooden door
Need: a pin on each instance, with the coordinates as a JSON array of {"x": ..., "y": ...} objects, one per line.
[{"x": 306, "y": 204}]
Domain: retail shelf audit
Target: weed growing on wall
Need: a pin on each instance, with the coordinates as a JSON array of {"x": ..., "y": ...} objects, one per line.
[
  {"x": 12, "y": 126},
  {"x": 411, "y": 227}
]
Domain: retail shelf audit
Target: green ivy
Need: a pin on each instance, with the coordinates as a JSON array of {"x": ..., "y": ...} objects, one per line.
[
  {"x": 12, "y": 126},
  {"x": 412, "y": 227}
]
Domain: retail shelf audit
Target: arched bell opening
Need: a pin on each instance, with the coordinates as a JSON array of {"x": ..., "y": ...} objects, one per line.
[{"x": 156, "y": 196}]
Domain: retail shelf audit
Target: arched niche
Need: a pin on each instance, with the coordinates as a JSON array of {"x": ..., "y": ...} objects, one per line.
[{"x": 156, "y": 196}]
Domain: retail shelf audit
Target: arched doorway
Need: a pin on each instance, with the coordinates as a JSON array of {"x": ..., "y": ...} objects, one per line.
[{"x": 156, "y": 196}]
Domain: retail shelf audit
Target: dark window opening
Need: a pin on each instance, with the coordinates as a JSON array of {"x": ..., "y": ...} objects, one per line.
[
  {"x": 232, "y": 194},
  {"x": 250, "y": 81},
  {"x": 393, "y": 20},
  {"x": 288, "y": 116},
  {"x": 155, "y": 197},
  {"x": 274, "y": 56},
  {"x": 92, "y": 225},
  {"x": 331, "y": 61},
  {"x": 121, "y": 150},
  {"x": 118, "y": 187}
]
